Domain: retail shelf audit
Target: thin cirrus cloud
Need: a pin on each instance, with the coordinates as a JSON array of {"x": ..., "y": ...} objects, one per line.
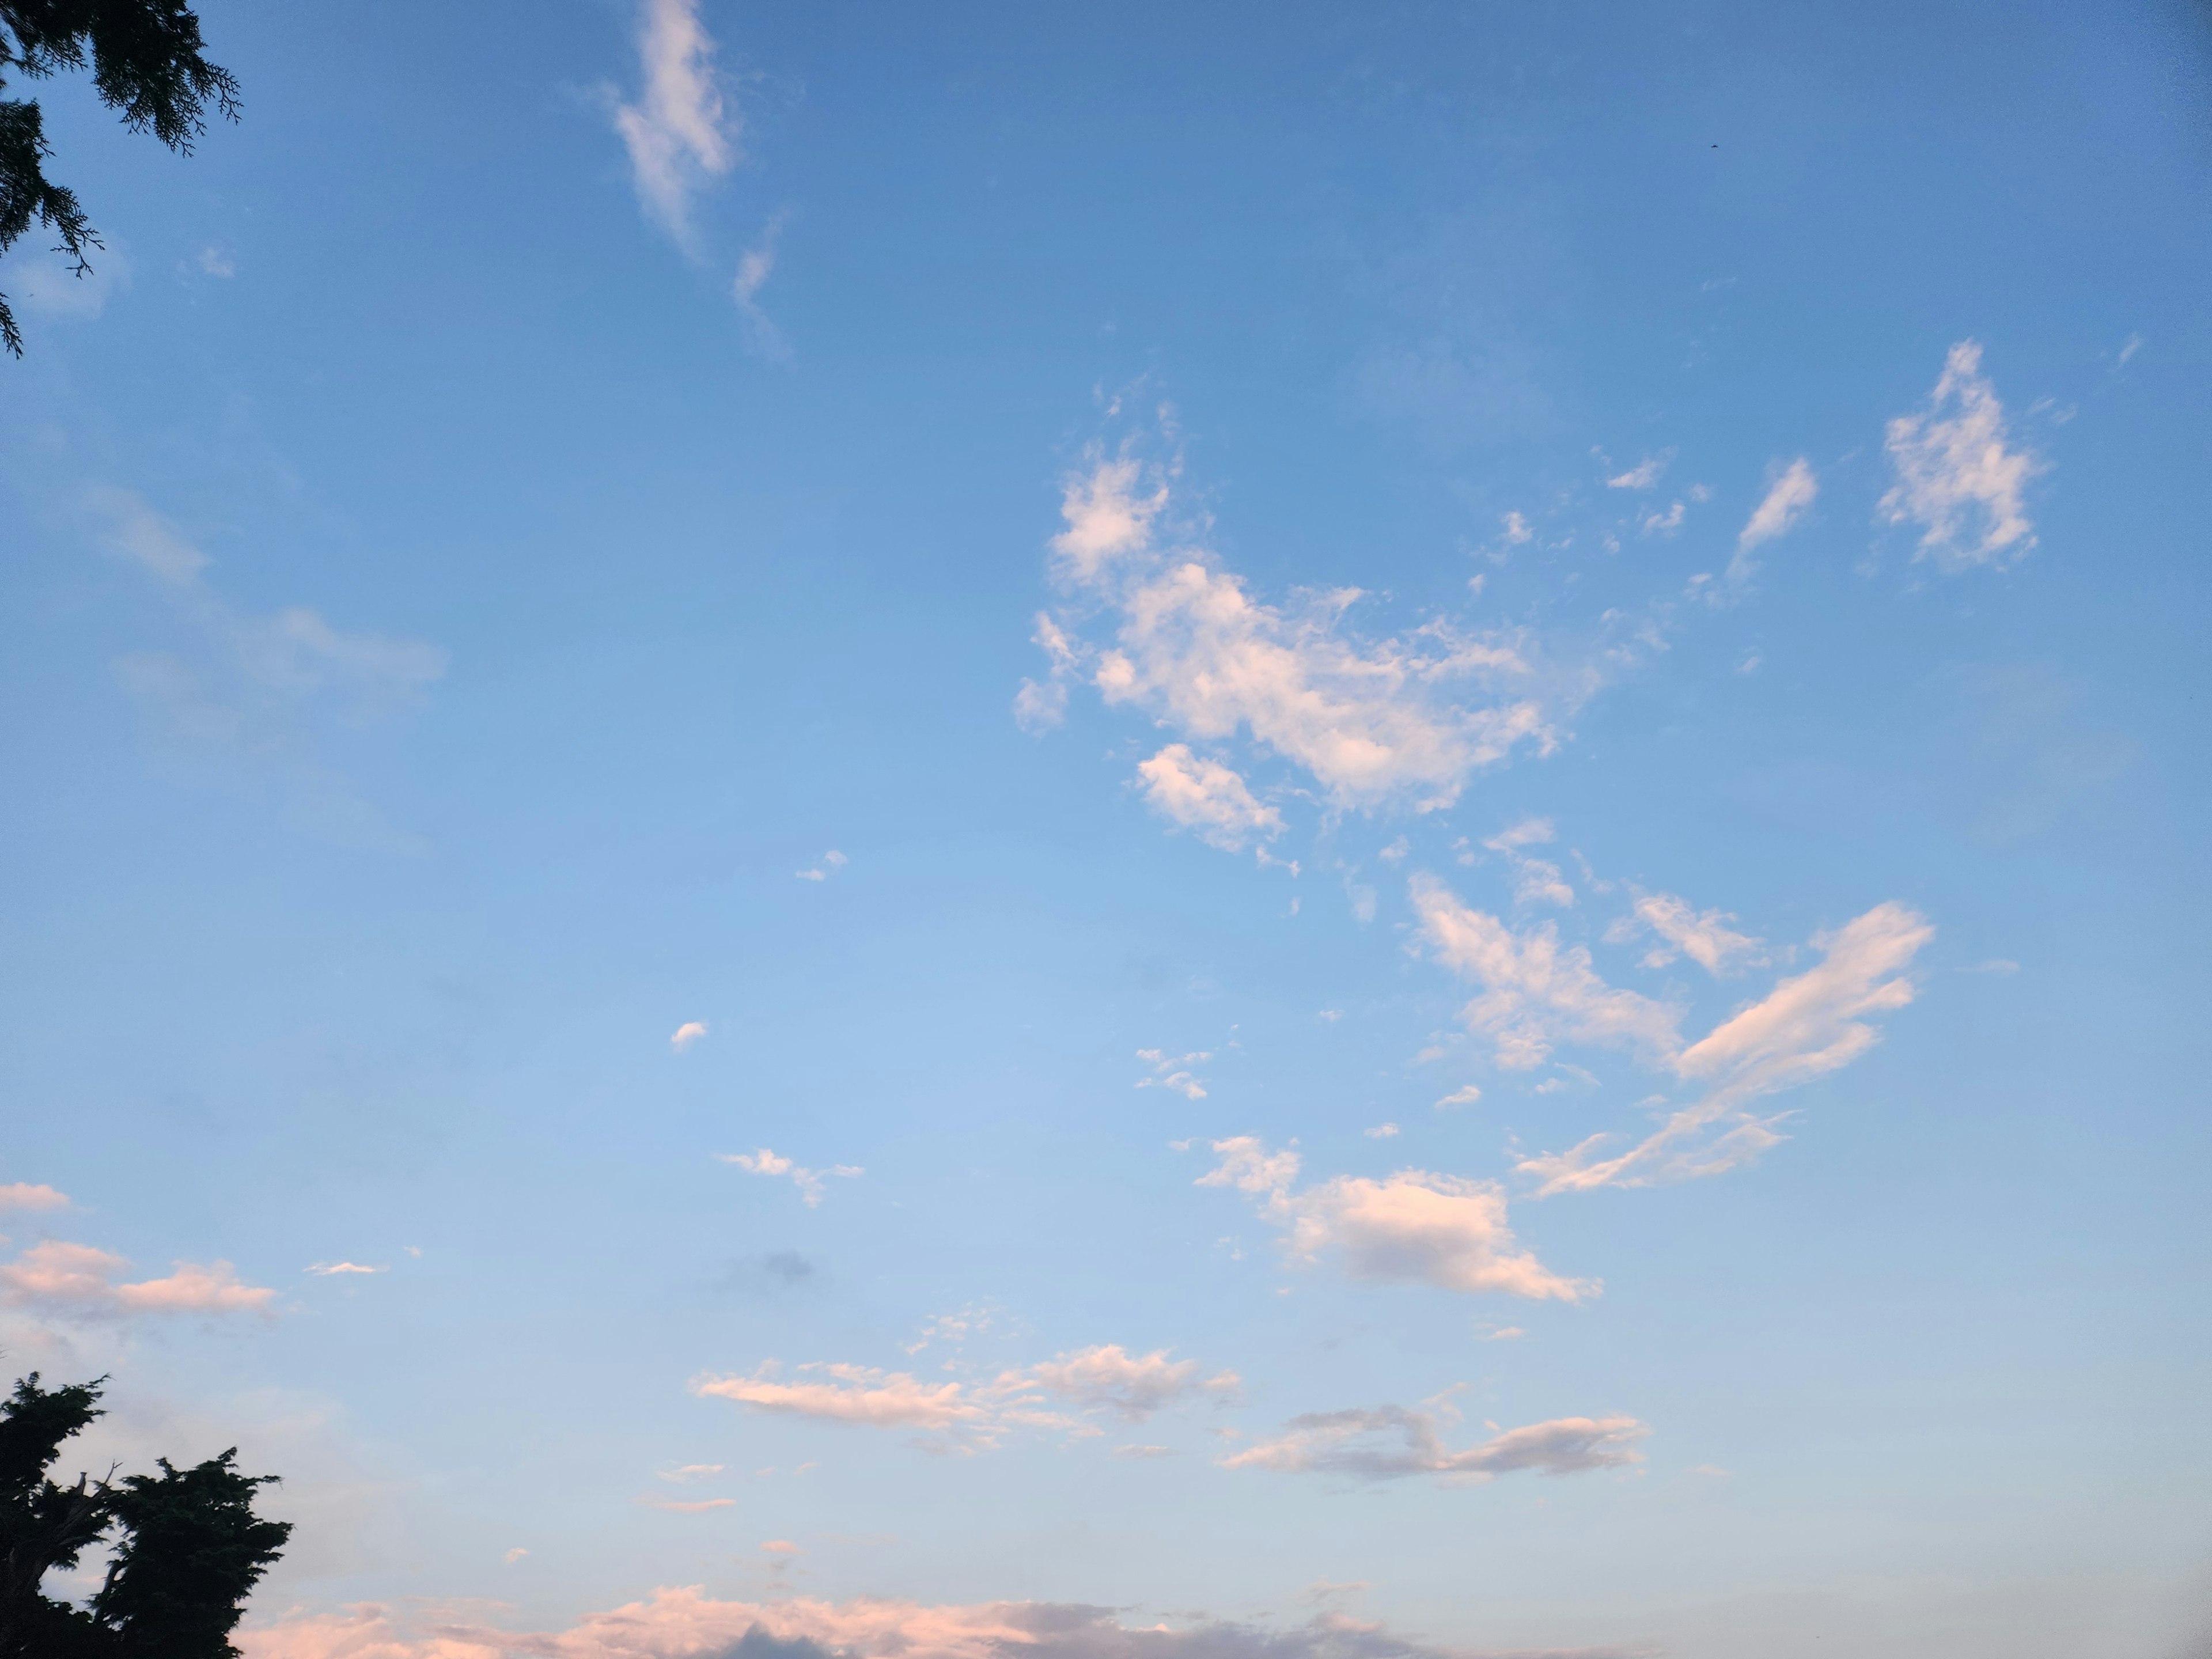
[
  {"x": 682, "y": 131},
  {"x": 1536, "y": 881},
  {"x": 1375, "y": 723},
  {"x": 250, "y": 688},
  {"x": 1387, "y": 1443},
  {"x": 1534, "y": 994},
  {"x": 809, "y": 1181},
  {"x": 1787, "y": 501},
  {"x": 1412, "y": 1227},
  {"x": 81, "y": 1281},
  {"x": 1956, "y": 477},
  {"x": 687, "y": 1623},
  {"x": 1103, "y": 1380}
]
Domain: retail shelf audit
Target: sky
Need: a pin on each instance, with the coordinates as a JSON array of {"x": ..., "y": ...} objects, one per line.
[{"x": 1237, "y": 832}]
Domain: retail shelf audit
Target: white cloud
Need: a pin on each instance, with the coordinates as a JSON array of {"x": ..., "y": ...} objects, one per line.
[
  {"x": 680, "y": 132},
  {"x": 1206, "y": 796},
  {"x": 1535, "y": 992},
  {"x": 1535, "y": 881},
  {"x": 1705, "y": 937},
  {"x": 1467, "y": 1095},
  {"x": 1810, "y": 1024},
  {"x": 1779, "y": 512},
  {"x": 22, "y": 1195},
  {"x": 809, "y": 1181},
  {"x": 687, "y": 1505},
  {"x": 1956, "y": 477},
  {"x": 1400, "y": 720},
  {"x": 1174, "y": 1072},
  {"x": 1390, "y": 1442},
  {"x": 515, "y": 1555},
  {"x": 780, "y": 1546},
  {"x": 78, "y": 1279},
  {"x": 1412, "y": 1227},
  {"x": 1381, "y": 1132},
  {"x": 1655, "y": 523},
  {"x": 688, "y": 1623},
  {"x": 1516, "y": 530},
  {"x": 1133, "y": 1453},
  {"x": 1643, "y": 475},
  {"x": 335, "y": 1269},
  {"x": 691, "y": 1031},
  {"x": 831, "y": 860},
  {"x": 1103, "y": 1380},
  {"x": 215, "y": 262}
]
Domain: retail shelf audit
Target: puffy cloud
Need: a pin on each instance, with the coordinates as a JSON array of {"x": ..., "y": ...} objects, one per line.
[
  {"x": 1412, "y": 1227},
  {"x": 1535, "y": 992},
  {"x": 1465, "y": 1094},
  {"x": 809, "y": 1181},
  {"x": 1810, "y": 1024},
  {"x": 1103, "y": 1380},
  {"x": 680, "y": 132},
  {"x": 1389, "y": 1443},
  {"x": 1398, "y": 720},
  {"x": 1131, "y": 1388},
  {"x": 1785, "y": 502},
  {"x": 687, "y": 1623},
  {"x": 77, "y": 1279},
  {"x": 1956, "y": 477},
  {"x": 1705, "y": 937},
  {"x": 1206, "y": 796},
  {"x": 22, "y": 1195},
  {"x": 1535, "y": 881},
  {"x": 691, "y": 1031}
]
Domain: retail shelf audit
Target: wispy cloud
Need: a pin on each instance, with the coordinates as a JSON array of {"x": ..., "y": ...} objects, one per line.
[
  {"x": 248, "y": 692},
  {"x": 755, "y": 266},
  {"x": 1956, "y": 479},
  {"x": 1643, "y": 475},
  {"x": 688, "y": 1624},
  {"x": 687, "y": 1506},
  {"x": 682, "y": 131},
  {"x": 973, "y": 1414},
  {"x": 340, "y": 1269},
  {"x": 1174, "y": 1072},
  {"x": 831, "y": 860},
  {"x": 809, "y": 1181},
  {"x": 1536, "y": 881},
  {"x": 78, "y": 1280},
  {"x": 1205, "y": 796},
  {"x": 1787, "y": 501},
  {"x": 1414, "y": 1226},
  {"x": 1387, "y": 1443},
  {"x": 1705, "y": 937}
]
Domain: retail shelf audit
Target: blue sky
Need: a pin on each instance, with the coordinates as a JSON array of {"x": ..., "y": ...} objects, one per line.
[{"x": 929, "y": 827}]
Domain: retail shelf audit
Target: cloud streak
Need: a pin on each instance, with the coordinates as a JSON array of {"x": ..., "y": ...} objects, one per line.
[
  {"x": 809, "y": 1181},
  {"x": 1389, "y": 1443}
]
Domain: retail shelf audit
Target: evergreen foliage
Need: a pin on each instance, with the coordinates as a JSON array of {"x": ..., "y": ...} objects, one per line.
[
  {"x": 188, "y": 1548},
  {"x": 147, "y": 64}
]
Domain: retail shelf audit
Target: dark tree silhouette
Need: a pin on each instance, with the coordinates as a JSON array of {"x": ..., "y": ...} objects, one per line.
[
  {"x": 188, "y": 1548},
  {"x": 147, "y": 64}
]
